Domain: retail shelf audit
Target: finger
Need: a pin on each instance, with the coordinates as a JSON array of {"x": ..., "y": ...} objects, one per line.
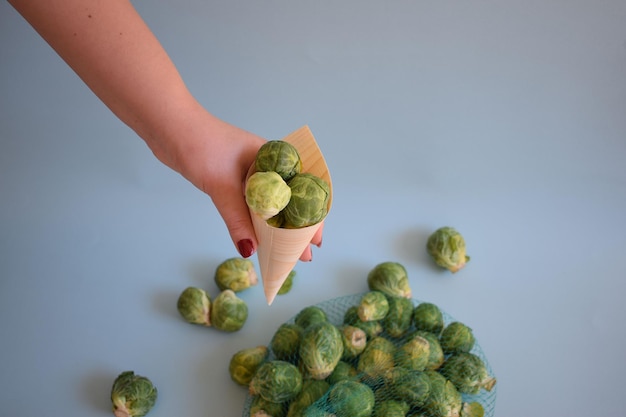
[
  {"x": 307, "y": 255},
  {"x": 234, "y": 210},
  {"x": 317, "y": 237}
]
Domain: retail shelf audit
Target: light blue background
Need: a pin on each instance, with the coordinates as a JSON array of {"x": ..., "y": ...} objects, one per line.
[{"x": 506, "y": 120}]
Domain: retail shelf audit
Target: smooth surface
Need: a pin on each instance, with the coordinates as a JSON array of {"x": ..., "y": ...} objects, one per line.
[{"x": 506, "y": 120}]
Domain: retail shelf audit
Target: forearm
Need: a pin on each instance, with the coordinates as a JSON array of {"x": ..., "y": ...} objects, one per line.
[{"x": 113, "y": 51}]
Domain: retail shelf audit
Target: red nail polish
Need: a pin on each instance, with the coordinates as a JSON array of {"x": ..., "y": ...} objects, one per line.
[{"x": 246, "y": 248}]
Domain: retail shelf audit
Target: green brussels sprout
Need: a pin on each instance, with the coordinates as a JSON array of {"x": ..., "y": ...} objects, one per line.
[
  {"x": 235, "y": 274},
  {"x": 194, "y": 305},
  {"x": 377, "y": 357},
  {"x": 428, "y": 317},
  {"x": 280, "y": 157},
  {"x": 260, "y": 407},
  {"x": 457, "y": 337},
  {"x": 473, "y": 409},
  {"x": 390, "y": 408},
  {"x": 408, "y": 385},
  {"x": 444, "y": 400},
  {"x": 389, "y": 278},
  {"x": 228, "y": 312},
  {"x": 321, "y": 348},
  {"x": 343, "y": 370},
  {"x": 132, "y": 395},
  {"x": 276, "y": 221},
  {"x": 413, "y": 354},
  {"x": 436, "y": 355},
  {"x": 312, "y": 390},
  {"x": 373, "y": 306},
  {"x": 310, "y": 315},
  {"x": 286, "y": 287},
  {"x": 276, "y": 381},
  {"x": 371, "y": 328},
  {"x": 286, "y": 341},
  {"x": 244, "y": 363},
  {"x": 397, "y": 322},
  {"x": 447, "y": 248},
  {"x": 468, "y": 373},
  {"x": 354, "y": 340},
  {"x": 351, "y": 399},
  {"x": 308, "y": 204},
  {"x": 267, "y": 194}
]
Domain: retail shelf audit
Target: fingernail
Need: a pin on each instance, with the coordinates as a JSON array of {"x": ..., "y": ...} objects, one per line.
[{"x": 246, "y": 248}]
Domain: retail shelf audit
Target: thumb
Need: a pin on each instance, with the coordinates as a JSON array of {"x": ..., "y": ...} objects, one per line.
[{"x": 234, "y": 211}]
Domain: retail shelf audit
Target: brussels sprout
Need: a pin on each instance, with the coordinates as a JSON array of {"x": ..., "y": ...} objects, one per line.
[
  {"x": 371, "y": 328},
  {"x": 286, "y": 287},
  {"x": 377, "y": 357},
  {"x": 308, "y": 204},
  {"x": 408, "y": 385},
  {"x": 244, "y": 363},
  {"x": 444, "y": 399},
  {"x": 390, "y": 278},
  {"x": 428, "y": 317},
  {"x": 267, "y": 194},
  {"x": 132, "y": 395},
  {"x": 447, "y": 248},
  {"x": 228, "y": 312},
  {"x": 312, "y": 390},
  {"x": 373, "y": 306},
  {"x": 280, "y": 157},
  {"x": 286, "y": 341},
  {"x": 457, "y": 337},
  {"x": 436, "y": 355},
  {"x": 354, "y": 340},
  {"x": 343, "y": 370},
  {"x": 194, "y": 305},
  {"x": 397, "y": 322},
  {"x": 473, "y": 409},
  {"x": 413, "y": 354},
  {"x": 260, "y": 407},
  {"x": 235, "y": 274},
  {"x": 390, "y": 408},
  {"x": 351, "y": 399},
  {"x": 310, "y": 315},
  {"x": 321, "y": 348},
  {"x": 468, "y": 373},
  {"x": 276, "y": 381}
]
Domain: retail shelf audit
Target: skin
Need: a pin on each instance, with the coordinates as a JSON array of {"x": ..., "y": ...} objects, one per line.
[{"x": 109, "y": 46}]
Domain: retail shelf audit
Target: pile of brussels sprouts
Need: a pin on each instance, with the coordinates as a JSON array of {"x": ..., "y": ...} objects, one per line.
[
  {"x": 387, "y": 358},
  {"x": 280, "y": 193}
]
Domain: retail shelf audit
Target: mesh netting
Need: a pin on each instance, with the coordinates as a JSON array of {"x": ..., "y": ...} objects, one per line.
[{"x": 324, "y": 406}]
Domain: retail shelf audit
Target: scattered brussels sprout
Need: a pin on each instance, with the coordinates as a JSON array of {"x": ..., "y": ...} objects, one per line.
[
  {"x": 447, "y": 248},
  {"x": 286, "y": 287},
  {"x": 373, "y": 306},
  {"x": 286, "y": 341},
  {"x": 132, "y": 395},
  {"x": 468, "y": 373},
  {"x": 473, "y": 409},
  {"x": 354, "y": 340},
  {"x": 351, "y": 398},
  {"x": 413, "y": 354},
  {"x": 409, "y": 385},
  {"x": 444, "y": 400},
  {"x": 428, "y": 317},
  {"x": 310, "y": 315},
  {"x": 244, "y": 363},
  {"x": 398, "y": 320},
  {"x": 280, "y": 157},
  {"x": 194, "y": 305},
  {"x": 228, "y": 312},
  {"x": 276, "y": 381},
  {"x": 436, "y": 355},
  {"x": 267, "y": 194},
  {"x": 343, "y": 370},
  {"x": 390, "y": 408},
  {"x": 308, "y": 204},
  {"x": 312, "y": 390},
  {"x": 377, "y": 357},
  {"x": 236, "y": 274},
  {"x": 457, "y": 337},
  {"x": 389, "y": 278},
  {"x": 260, "y": 407},
  {"x": 371, "y": 328},
  {"x": 321, "y": 348}
]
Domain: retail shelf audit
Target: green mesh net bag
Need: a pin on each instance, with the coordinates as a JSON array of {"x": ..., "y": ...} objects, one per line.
[{"x": 365, "y": 355}]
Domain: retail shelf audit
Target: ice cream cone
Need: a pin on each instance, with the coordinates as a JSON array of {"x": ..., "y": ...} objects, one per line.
[{"x": 279, "y": 249}]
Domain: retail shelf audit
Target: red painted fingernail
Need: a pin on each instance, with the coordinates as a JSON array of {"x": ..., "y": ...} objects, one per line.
[{"x": 246, "y": 248}]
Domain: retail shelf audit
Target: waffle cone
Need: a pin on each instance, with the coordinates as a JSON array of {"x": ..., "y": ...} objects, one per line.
[{"x": 279, "y": 249}]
